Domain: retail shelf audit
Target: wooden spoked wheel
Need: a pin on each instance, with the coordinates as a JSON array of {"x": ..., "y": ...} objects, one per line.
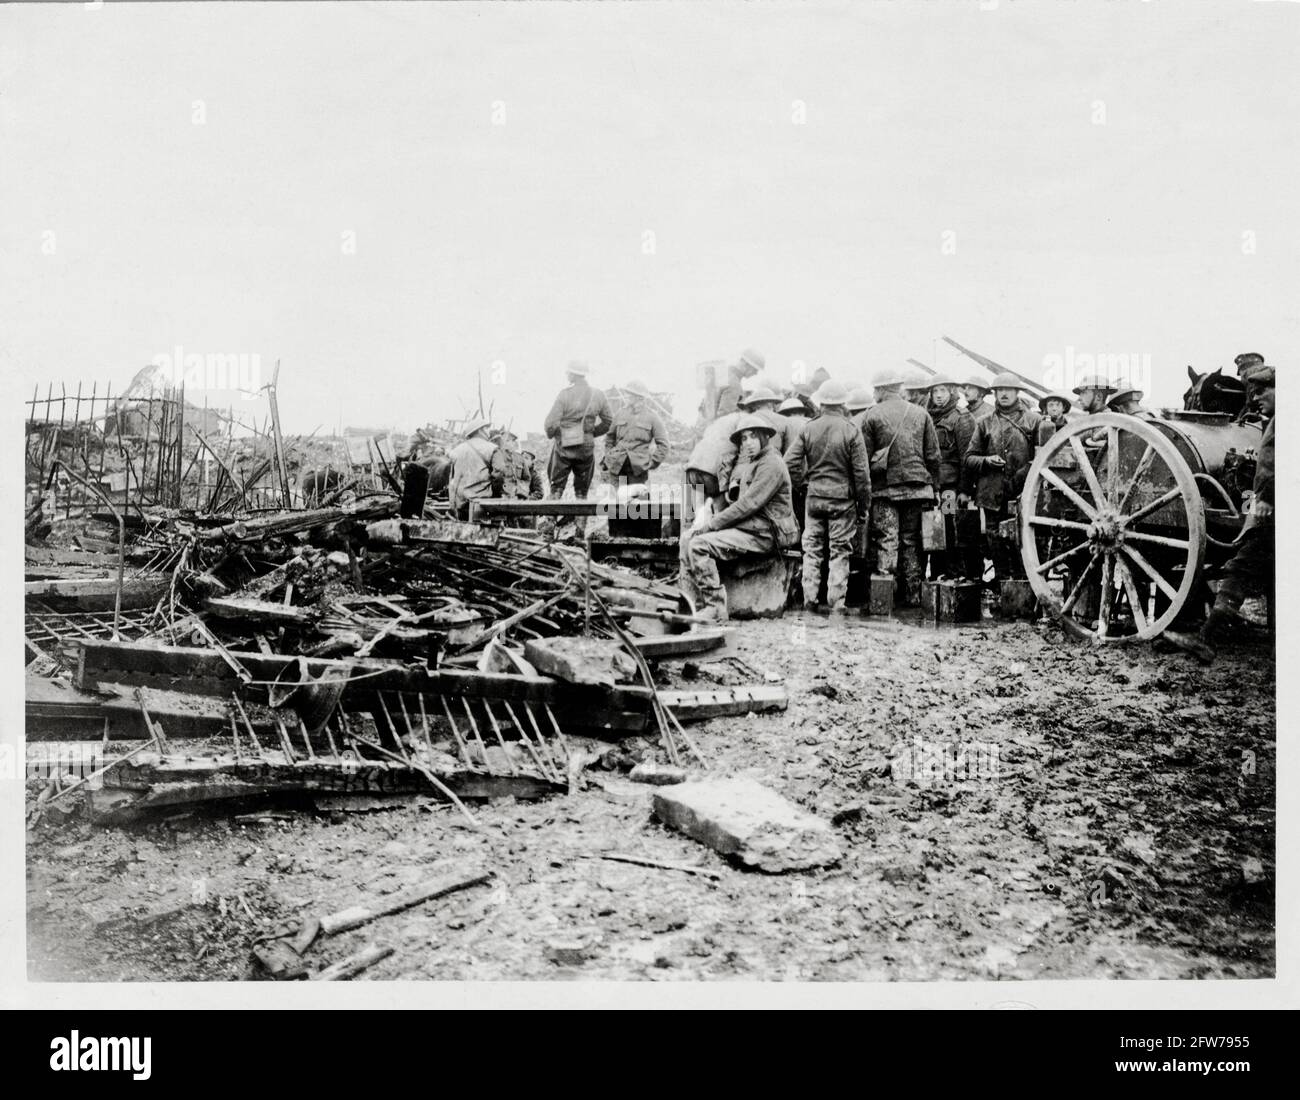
[{"x": 1112, "y": 528}]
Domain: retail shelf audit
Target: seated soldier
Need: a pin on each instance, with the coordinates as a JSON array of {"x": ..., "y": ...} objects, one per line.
[{"x": 756, "y": 518}]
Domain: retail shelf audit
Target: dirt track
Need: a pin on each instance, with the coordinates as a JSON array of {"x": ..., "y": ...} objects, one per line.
[{"x": 1131, "y": 786}]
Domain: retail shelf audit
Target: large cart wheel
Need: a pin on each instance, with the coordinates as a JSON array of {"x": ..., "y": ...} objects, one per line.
[{"x": 1112, "y": 528}]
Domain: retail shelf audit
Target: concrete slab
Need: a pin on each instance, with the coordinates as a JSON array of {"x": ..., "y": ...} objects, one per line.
[{"x": 743, "y": 818}]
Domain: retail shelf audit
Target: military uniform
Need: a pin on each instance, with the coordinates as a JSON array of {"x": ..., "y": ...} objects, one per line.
[
  {"x": 903, "y": 489},
  {"x": 756, "y": 519},
  {"x": 964, "y": 557},
  {"x": 712, "y": 453},
  {"x": 471, "y": 473},
  {"x": 828, "y": 462},
  {"x": 636, "y": 443},
  {"x": 1251, "y": 570},
  {"x": 1012, "y": 435},
  {"x": 580, "y": 413}
]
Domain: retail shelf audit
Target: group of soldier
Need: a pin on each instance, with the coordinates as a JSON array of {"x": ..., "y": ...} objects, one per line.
[
  {"x": 864, "y": 466},
  {"x": 489, "y": 463},
  {"x": 841, "y": 470}
]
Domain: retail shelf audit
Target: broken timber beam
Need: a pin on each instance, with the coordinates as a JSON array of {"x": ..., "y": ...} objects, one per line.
[
  {"x": 206, "y": 672},
  {"x": 99, "y": 593},
  {"x": 658, "y": 646},
  {"x": 695, "y": 706}
]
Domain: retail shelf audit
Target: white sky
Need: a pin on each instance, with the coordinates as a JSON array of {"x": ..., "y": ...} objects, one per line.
[{"x": 523, "y": 243}]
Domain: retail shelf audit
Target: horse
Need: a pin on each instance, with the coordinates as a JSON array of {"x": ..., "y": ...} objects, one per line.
[{"x": 1212, "y": 392}]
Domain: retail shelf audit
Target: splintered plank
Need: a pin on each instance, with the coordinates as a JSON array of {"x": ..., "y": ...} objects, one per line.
[
  {"x": 695, "y": 706},
  {"x": 681, "y": 645},
  {"x": 96, "y": 593},
  {"x": 153, "y": 783}
]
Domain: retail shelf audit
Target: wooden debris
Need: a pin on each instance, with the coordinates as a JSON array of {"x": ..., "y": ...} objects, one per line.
[
  {"x": 695, "y": 706},
  {"x": 359, "y": 915},
  {"x": 354, "y": 964}
]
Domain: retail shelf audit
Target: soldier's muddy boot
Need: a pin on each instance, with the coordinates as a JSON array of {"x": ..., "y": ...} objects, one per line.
[{"x": 1205, "y": 645}]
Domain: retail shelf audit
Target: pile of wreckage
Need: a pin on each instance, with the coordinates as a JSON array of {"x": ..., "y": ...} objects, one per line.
[{"x": 371, "y": 647}]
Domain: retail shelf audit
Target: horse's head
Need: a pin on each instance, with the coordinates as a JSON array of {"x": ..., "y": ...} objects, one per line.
[{"x": 1212, "y": 392}]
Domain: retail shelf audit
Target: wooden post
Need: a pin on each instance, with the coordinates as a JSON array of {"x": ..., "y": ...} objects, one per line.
[{"x": 277, "y": 439}]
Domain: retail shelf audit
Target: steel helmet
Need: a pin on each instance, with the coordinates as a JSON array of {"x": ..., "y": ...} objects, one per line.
[
  {"x": 1056, "y": 395},
  {"x": 831, "y": 392},
  {"x": 978, "y": 382},
  {"x": 756, "y": 395},
  {"x": 1123, "y": 395},
  {"x": 476, "y": 425},
  {"x": 916, "y": 379},
  {"x": 1007, "y": 381},
  {"x": 940, "y": 380},
  {"x": 1094, "y": 382},
  {"x": 637, "y": 388},
  {"x": 859, "y": 398},
  {"x": 578, "y": 367},
  {"x": 883, "y": 379},
  {"x": 752, "y": 423},
  {"x": 791, "y": 405}
]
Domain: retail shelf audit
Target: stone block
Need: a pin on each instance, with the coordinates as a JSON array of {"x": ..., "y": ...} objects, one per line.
[{"x": 742, "y": 818}]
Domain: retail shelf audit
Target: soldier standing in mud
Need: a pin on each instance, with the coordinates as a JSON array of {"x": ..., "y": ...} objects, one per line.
[
  {"x": 955, "y": 428},
  {"x": 998, "y": 459},
  {"x": 903, "y": 450},
  {"x": 580, "y": 413},
  {"x": 829, "y": 463},
  {"x": 637, "y": 441}
]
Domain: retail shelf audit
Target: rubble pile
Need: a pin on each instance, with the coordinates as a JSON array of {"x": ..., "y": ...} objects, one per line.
[{"x": 210, "y": 651}]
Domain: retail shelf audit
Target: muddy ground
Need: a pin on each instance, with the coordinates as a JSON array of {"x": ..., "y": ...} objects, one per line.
[{"x": 1124, "y": 829}]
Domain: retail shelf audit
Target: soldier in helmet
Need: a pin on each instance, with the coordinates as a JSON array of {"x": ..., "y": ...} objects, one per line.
[
  {"x": 514, "y": 473},
  {"x": 796, "y": 415},
  {"x": 803, "y": 391},
  {"x": 1093, "y": 392},
  {"x": 1128, "y": 402},
  {"x": 755, "y": 518},
  {"x": 471, "y": 468},
  {"x": 997, "y": 460},
  {"x": 828, "y": 462},
  {"x": 1054, "y": 408},
  {"x": 1252, "y": 568},
  {"x": 954, "y": 428},
  {"x": 637, "y": 441},
  {"x": 974, "y": 390},
  {"x": 580, "y": 413},
  {"x": 916, "y": 387},
  {"x": 860, "y": 400},
  {"x": 903, "y": 449},
  {"x": 762, "y": 401}
]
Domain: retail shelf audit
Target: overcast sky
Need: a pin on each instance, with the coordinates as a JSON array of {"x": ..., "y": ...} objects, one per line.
[{"x": 837, "y": 184}]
